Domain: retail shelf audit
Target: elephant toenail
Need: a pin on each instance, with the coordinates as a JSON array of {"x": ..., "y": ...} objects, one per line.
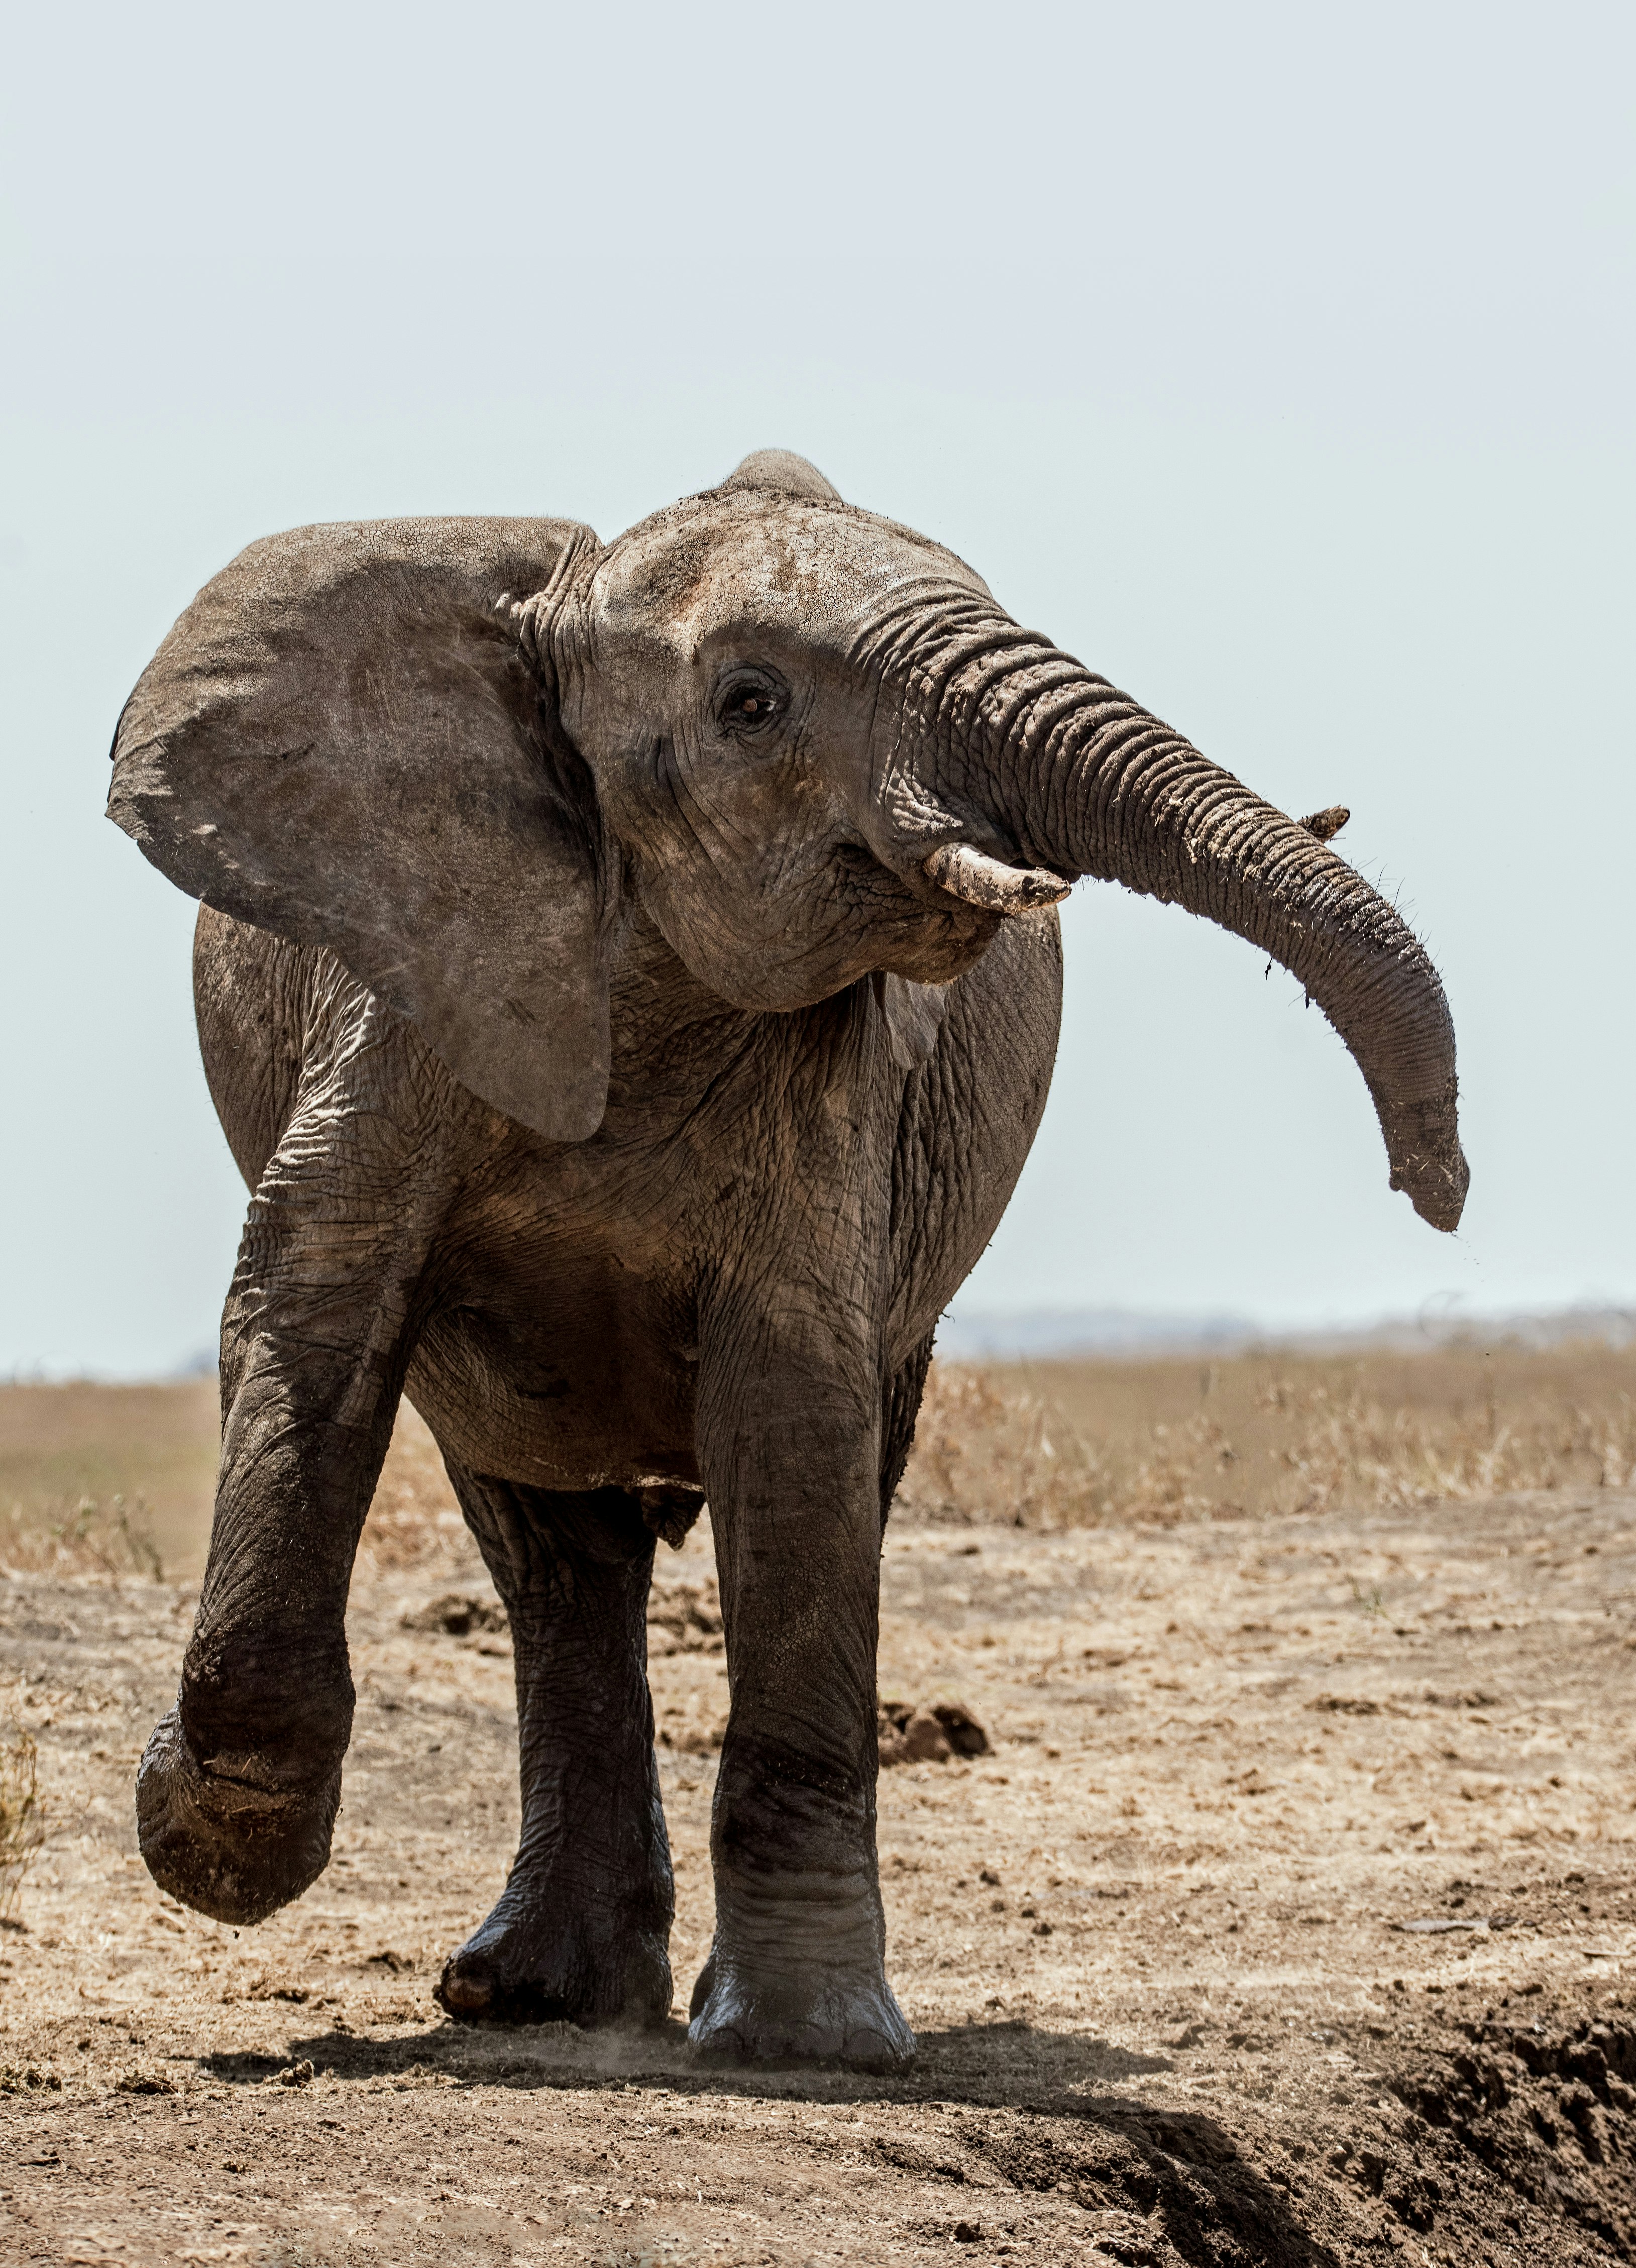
[{"x": 471, "y": 1995}]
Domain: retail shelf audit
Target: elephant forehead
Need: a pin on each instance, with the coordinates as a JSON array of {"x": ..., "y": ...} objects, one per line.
[{"x": 810, "y": 569}]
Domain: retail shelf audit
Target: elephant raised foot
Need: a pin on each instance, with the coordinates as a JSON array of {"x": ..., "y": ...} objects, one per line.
[{"x": 235, "y": 1846}]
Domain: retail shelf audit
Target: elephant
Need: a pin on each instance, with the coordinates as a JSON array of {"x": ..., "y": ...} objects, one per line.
[{"x": 628, "y": 975}]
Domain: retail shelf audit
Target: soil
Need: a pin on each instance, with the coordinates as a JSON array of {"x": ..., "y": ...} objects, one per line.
[{"x": 1289, "y": 1920}]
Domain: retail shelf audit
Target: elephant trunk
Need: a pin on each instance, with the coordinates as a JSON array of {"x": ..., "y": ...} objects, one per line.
[{"x": 1059, "y": 769}]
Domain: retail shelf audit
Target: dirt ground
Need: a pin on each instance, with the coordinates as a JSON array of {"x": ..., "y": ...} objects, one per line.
[{"x": 1290, "y": 1919}]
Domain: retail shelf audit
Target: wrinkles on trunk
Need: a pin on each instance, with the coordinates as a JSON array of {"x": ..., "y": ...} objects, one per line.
[{"x": 1014, "y": 745}]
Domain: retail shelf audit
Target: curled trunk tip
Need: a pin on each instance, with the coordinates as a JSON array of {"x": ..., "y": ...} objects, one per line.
[{"x": 1054, "y": 759}]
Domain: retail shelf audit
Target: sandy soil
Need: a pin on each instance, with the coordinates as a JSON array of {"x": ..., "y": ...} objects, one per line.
[{"x": 1160, "y": 1946}]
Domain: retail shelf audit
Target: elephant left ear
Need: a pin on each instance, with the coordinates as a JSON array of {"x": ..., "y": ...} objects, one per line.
[{"x": 343, "y": 741}]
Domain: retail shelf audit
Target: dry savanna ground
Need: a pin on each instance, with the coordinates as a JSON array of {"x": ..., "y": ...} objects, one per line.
[{"x": 1288, "y": 1918}]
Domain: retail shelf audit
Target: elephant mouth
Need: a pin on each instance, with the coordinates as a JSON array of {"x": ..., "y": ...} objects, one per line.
[{"x": 917, "y": 929}]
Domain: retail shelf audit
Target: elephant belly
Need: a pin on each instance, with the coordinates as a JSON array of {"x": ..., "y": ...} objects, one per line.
[{"x": 569, "y": 1374}]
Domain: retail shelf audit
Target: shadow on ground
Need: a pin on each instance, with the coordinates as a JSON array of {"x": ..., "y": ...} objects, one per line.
[
  {"x": 1023, "y": 2111},
  {"x": 997, "y": 2065}
]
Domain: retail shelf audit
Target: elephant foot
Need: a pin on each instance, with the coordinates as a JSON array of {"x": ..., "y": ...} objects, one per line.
[
  {"x": 741, "y": 2016},
  {"x": 234, "y": 1844},
  {"x": 536, "y": 1960}
]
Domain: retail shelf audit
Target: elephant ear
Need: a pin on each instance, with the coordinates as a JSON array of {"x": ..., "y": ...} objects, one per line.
[{"x": 343, "y": 740}]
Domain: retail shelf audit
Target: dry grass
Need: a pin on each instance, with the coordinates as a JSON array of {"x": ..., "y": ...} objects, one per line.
[
  {"x": 22, "y": 1827},
  {"x": 1071, "y": 1444},
  {"x": 1080, "y": 1443},
  {"x": 86, "y": 1538},
  {"x": 107, "y": 1479},
  {"x": 99, "y": 1479},
  {"x": 119, "y": 1480}
]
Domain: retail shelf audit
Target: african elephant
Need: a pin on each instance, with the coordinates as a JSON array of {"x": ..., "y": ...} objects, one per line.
[{"x": 628, "y": 976}]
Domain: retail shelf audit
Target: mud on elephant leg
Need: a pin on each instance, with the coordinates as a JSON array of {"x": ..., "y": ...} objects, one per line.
[
  {"x": 797, "y": 1970},
  {"x": 581, "y": 1931},
  {"x": 237, "y": 1792}
]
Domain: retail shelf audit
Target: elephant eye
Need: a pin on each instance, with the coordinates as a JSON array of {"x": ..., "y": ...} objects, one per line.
[{"x": 749, "y": 703}]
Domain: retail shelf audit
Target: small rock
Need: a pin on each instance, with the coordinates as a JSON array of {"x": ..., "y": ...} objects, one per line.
[
  {"x": 295, "y": 2074},
  {"x": 915, "y": 1733},
  {"x": 457, "y": 1614},
  {"x": 925, "y": 1740}
]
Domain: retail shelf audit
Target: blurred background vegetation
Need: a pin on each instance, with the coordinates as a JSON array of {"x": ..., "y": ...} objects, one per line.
[{"x": 119, "y": 1478}]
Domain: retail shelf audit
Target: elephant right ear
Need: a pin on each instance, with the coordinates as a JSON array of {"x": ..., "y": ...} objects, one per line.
[{"x": 343, "y": 741}]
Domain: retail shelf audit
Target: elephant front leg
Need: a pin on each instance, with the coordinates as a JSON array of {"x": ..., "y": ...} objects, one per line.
[
  {"x": 581, "y": 1931},
  {"x": 238, "y": 1790},
  {"x": 797, "y": 1970}
]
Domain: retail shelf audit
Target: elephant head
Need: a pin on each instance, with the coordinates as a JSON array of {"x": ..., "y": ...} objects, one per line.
[{"x": 806, "y": 741}]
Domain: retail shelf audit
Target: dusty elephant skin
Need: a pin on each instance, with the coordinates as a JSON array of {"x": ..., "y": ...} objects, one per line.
[{"x": 629, "y": 980}]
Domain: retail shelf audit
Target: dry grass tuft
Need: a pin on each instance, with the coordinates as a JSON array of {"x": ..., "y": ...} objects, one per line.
[
  {"x": 87, "y": 1538},
  {"x": 22, "y": 1816},
  {"x": 1063, "y": 1445},
  {"x": 78, "y": 1459}
]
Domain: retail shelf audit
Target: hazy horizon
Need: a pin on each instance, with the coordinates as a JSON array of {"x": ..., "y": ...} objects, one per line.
[{"x": 971, "y": 1333}]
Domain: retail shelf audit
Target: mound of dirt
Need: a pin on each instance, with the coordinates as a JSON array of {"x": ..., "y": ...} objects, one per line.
[{"x": 457, "y": 1614}]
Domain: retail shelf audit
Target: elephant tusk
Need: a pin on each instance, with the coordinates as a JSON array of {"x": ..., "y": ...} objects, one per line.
[{"x": 989, "y": 883}]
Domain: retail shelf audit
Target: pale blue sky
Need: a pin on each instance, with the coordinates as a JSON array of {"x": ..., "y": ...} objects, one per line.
[{"x": 1276, "y": 360}]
